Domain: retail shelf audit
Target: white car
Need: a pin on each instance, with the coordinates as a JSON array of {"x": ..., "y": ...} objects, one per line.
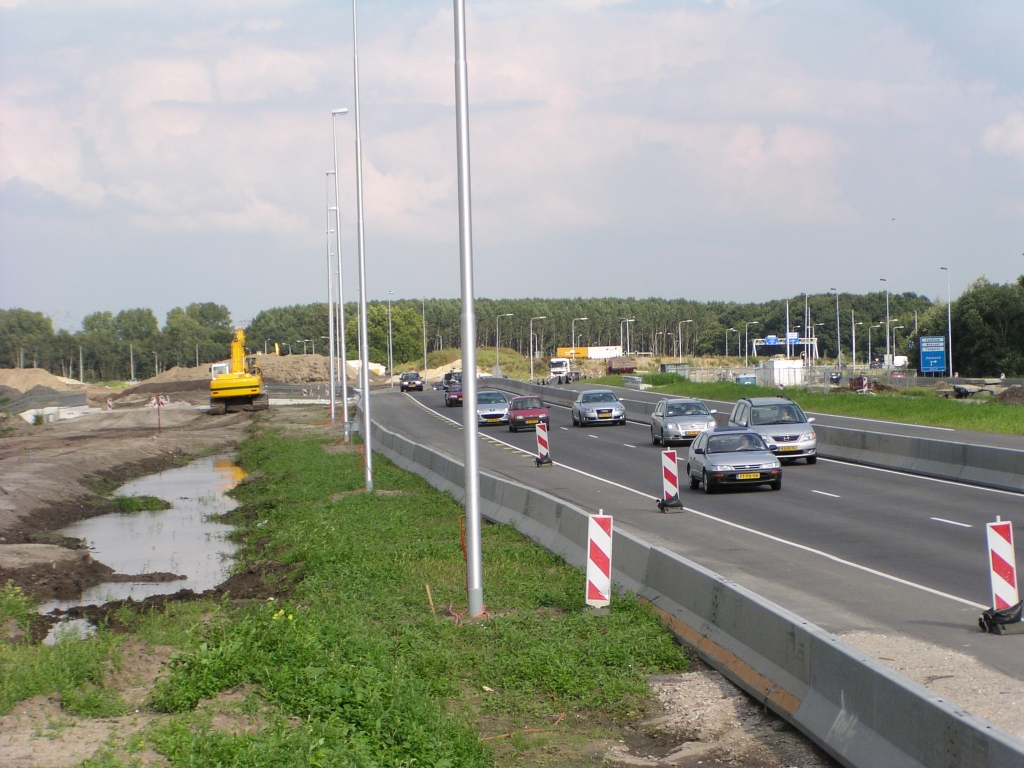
[
  {"x": 597, "y": 406},
  {"x": 680, "y": 420},
  {"x": 491, "y": 407}
]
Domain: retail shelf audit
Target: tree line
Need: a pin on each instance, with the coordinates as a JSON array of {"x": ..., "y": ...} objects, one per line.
[{"x": 987, "y": 325}]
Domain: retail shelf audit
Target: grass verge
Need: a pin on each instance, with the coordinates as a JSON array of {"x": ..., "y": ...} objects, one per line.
[
  {"x": 356, "y": 668},
  {"x": 141, "y": 503}
]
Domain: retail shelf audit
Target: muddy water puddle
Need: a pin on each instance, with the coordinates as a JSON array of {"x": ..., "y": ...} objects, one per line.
[{"x": 185, "y": 539}]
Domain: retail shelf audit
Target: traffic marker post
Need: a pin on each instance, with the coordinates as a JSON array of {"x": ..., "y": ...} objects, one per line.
[
  {"x": 599, "y": 561},
  {"x": 670, "y": 481},
  {"x": 543, "y": 446},
  {"x": 1004, "y": 618}
]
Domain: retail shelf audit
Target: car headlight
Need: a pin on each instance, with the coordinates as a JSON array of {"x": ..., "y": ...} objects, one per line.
[
  {"x": 771, "y": 465},
  {"x": 808, "y": 436},
  {"x": 723, "y": 468}
]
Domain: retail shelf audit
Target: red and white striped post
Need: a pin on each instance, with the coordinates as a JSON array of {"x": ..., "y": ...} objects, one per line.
[
  {"x": 543, "y": 447},
  {"x": 670, "y": 482},
  {"x": 599, "y": 561},
  {"x": 1003, "y": 564}
]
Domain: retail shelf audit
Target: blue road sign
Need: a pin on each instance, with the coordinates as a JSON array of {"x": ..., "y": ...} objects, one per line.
[{"x": 933, "y": 354}]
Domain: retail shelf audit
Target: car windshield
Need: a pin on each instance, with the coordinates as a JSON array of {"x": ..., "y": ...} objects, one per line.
[
  {"x": 783, "y": 413},
  {"x": 732, "y": 443},
  {"x": 686, "y": 409},
  {"x": 600, "y": 397},
  {"x": 490, "y": 397},
  {"x": 522, "y": 403},
  {"x": 410, "y": 376}
]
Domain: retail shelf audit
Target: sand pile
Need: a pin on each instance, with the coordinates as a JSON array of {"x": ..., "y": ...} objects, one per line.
[
  {"x": 181, "y": 374},
  {"x": 1011, "y": 396},
  {"x": 23, "y": 379}
]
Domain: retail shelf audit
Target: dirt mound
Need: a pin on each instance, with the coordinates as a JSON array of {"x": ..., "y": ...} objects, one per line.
[
  {"x": 180, "y": 374},
  {"x": 164, "y": 388},
  {"x": 23, "y": 379},
  {"x": 1012, "y": 396}
]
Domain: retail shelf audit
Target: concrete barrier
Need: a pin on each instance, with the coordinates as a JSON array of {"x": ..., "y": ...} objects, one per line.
[
  {"x": 860, "y": 711},
  {"x": 989, "y": 466}
]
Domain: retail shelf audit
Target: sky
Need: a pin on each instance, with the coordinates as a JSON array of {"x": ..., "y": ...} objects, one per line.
[{"x": 159, "y": 154}]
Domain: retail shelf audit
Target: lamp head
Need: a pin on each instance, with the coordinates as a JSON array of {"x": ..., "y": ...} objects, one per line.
[{"x": 342, "y": 111}]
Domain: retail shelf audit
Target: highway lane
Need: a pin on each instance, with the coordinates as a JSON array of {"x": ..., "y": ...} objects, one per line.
[
  {"x": 885, "y": 527},
  {"x": 846, "y": 422}
]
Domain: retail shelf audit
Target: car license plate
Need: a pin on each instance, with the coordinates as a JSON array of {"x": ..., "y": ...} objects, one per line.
[
  {"x": 604, "y": 416},
  {"x": 692, "y": 432},
  {"x": 748, "y": 476},
  {"x": 787, "y": 447},
  {"x": 493, "y": 421},
  {"x": 533, "y": 421}
]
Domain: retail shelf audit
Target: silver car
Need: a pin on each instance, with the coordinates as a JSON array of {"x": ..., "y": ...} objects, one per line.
[
  {"x": 731, "y": 456},
  {"x": 680, "y": 420},
  {"x": 781, "y": 422},
  {"x": 597, "y": 406},
  {"x": 491, "y": 407}
]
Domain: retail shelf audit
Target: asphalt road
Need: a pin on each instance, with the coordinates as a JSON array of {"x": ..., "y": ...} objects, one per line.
[
  {"x": 845, "y": 546},
  {"x": 847, "y": 422}
]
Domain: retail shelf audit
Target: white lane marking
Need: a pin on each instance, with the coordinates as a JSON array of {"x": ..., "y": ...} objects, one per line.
[
  {"x": 825, "y": 493},
  {"x": 564, "y": 429},
  {"x": 951, "y": 522},
  {"x": 921, "y": 477},
  {"x": 879, "y": 421},
  {"x": 762, "y": 534},
  {"x": 840, "y": 560},
  {"x": 629, "y": 446},
  {"x": 593, "y": 437}
]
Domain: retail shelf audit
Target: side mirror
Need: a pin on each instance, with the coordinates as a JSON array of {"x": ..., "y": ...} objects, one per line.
[
  {"x": 712, "y": 411},
  {"x": 698, "y": 450},
  {"x": 773, "y": 448},
  {"x": 810, "y": 420}
]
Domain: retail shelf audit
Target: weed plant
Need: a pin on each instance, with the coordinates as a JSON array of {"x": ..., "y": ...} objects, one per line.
[
  {"x": 357, "y": 655},
  {"x": 141, "y": 503}
]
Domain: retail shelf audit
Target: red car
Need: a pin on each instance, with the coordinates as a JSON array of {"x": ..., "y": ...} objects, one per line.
[
  {"x": 453, "y": 395},
  {"x": 526, "y": 412}
]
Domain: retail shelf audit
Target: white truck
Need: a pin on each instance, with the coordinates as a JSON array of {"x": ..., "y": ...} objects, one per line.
[{"x": 561, "y": 371}]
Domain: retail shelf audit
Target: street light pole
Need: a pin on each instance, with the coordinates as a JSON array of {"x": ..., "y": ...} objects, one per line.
[
  {"x": 391, "y": 359},
  {"x": 364, "y": 343},
  {"x": 888, "y": 359},
  {"x": 330, "y": 285},
  {"x": 895, "y": 328},
  {"x": 542, "y": 317},
  {"x": 746, "y": 340},
  {"x": 839, "y": 344},
  {"x": 572, "y": 334},
  {"x": 497, "y": 341},
  {"x": 474, "y": 558},
  {"x": 339, "y": 342},
  {"x": 679, "y": 337},
  {"x": 424, "y": 335},
  {"x": 853, "y": 337},
  {"x": 629, "y": 346},
  {"x": 949, "y": 319}
]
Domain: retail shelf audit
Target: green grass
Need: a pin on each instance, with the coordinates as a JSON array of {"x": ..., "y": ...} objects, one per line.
[
  {"x": 358, "y": 656},
  {"x": 140, "y": 503}
]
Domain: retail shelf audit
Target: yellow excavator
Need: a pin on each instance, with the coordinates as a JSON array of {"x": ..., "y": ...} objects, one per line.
[{"x": 240, "y": 386}]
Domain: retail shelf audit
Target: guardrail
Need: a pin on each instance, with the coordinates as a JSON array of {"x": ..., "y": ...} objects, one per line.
[
  {"x": 860, "y": 711},
  {"x": 988, "y": 466}
]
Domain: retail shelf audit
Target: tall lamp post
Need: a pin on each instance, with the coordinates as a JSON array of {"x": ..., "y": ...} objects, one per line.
[
  {"x": 424, "y": 299},
  {"x": 672, "y": 348},
  {"x": 746, "y": 340},
  {"x": 572, "y": 334},
  {"x": 949, "y": 320},
  {"x": 656, "y": 335},
  {"x": 474, "y": 558},
  {"x": 870, "y": 328},
  {"x": 629, "y": 346},
  {"x": 895, "y": 328},
  {"x": 727, "y": 332},
  {"x": 497, "y": 341},
  {"x": 391, "y": 360},
  {"x": 888, "y": 359},
  {"x": 542, "y": 317},
  {"x": 839, "y": 343},
  {"x": 339, "y": 343},
  {"x": 853, "y": 338},
  {"x": 330, "y": 284},
  {"x": 679, "y": 337},
  {"x": 364, "y": 343}
]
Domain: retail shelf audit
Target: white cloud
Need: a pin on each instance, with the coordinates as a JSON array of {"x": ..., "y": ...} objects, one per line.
[
  {"x": 257, "y": 74},
  {"x": 1007, "y": 137}
]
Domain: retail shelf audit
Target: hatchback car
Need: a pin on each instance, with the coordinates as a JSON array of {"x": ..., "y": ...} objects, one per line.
[
  {"x": 453, "y": 394},
  {"x": 491, "y": 407},
  {"x": 598, "y": 406},
  {"x": 526, "y": 413},
  {"x": 680, "y": 420},
  {"x": 781, "y": 422},
  {"x": 730, "y": 457},
  {"x": 410, "y": 380}
]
